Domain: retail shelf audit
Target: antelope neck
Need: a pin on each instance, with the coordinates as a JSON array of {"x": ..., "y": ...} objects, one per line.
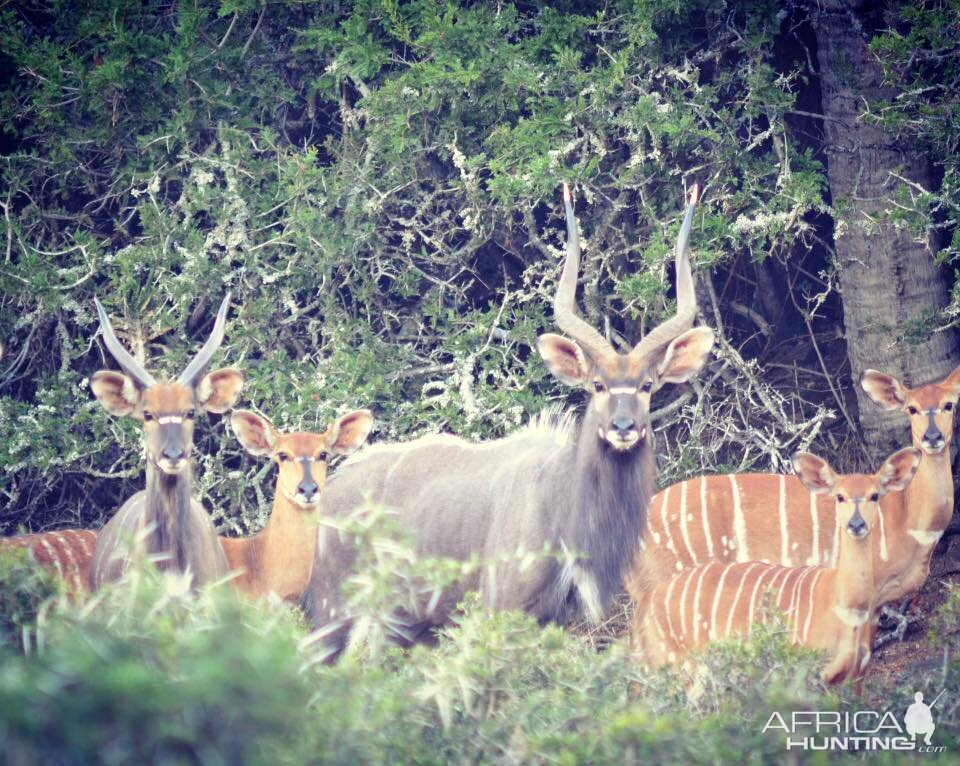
[
  {"x": 929, "y": 497},
  {"x": 853, "y": 577},
  {"x": 605, "y": 510},
  {"x": 285, "y": 546},
  {"x": 168, "y": 498}
]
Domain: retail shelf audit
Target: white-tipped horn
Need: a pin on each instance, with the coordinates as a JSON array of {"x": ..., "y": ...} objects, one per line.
[
  {"x": 565, "y": 301},
  {"x": 199, "y": 363},
  {"x": 661, "y": 335},
  {"x": 130, "y": 366}
]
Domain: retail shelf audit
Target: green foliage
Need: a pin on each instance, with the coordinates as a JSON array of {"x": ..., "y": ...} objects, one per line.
[
  {"x": 149, "y": 673},
  {"x": 377, "y": 183},
  {"x": 25, "y": 589}
]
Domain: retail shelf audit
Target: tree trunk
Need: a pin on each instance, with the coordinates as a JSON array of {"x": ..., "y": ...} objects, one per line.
[{"x": 887, "y": 277}]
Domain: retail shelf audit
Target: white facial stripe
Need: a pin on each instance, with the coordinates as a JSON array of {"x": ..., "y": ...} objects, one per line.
[
  {"x": 623, "y": 390},
  {"x": 164, "y": 419}
]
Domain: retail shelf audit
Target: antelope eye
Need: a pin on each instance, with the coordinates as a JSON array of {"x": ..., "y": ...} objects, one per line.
[
  {"x": 647, "y": 386},
  {"x": 191, "y": 414},
  {"x": 912, "y": 410},
  {"x": 323, "y": 457},
  {"x": 147, "y": 416},
  {"x": 874, "y": 497},
  {"x": 599, "y": 387},
  {"x": 841, "y": 499},
  {"x": 948, "y": 406},
  {"x": 283, "y": 457}
]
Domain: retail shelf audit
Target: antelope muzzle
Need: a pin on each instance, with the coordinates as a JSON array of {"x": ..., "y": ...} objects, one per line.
[
  {"x": 932, "y": 442},
  {"x": 626, "y": 427},
  {"x": 857, "y": 528},
  {"x": 173, "y": 445},
  {"x": 307, "y": 493}
]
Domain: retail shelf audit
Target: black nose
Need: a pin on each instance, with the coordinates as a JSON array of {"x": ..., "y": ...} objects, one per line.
[
  {"x": 857, "y": 527},
  {"x": 623, "y": 424},
  {"x": 307, "y": 488},
  {"x": 932, "y": 436},
  {"x": 173, "y": 454}
]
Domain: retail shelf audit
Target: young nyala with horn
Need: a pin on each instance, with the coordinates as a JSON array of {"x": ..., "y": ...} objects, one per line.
[
  {"x": 165, "y": 517},
  {"x": 278, "y": 559},
  {"x": 557, "y": 488},
  {"x": 828, "y": 608}
]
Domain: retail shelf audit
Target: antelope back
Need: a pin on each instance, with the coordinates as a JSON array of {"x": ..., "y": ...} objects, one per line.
[
  {"x": 740, "y": 517},
  {"x": 736, "y": 518},
  {"x": 69, "y": 553},
  {"x": 715, "y": 600}
]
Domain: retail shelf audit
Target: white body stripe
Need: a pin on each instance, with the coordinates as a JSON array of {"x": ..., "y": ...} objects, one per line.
[
  {"x": 784, "y": 532},
  {"x": 712, "y": 635},
  {"x": 736, "y": 597},
  {"x": 739, "y": 524},
  {"x": 705, "y": 516},
  {"x": 697, "y": 617},
  {"x": 666, "y": 521},
  {"x": 53, "y": 555},
  {"x": 790, "y": 611},
  {"x": 668, "y": 602},
  {"x": 813, "y": 588},
  {"x": 795, "y": 612},
  {"x": 82, "y": 538},
  {"x": 68, "y": 553},
  {"x": 783, "y": 587},
  {"x": 814, "y": 558},
  {"x": 683, "y": 600},
  {"x": 683, "y": 523},
  {"x": 756, "y": 593}
]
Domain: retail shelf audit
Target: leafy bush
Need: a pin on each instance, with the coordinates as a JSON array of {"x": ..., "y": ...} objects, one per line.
[
  {"x": 25, "y": 589},
  {"x": 146, "y": 672},
  {"x": 377, "y": 183}
]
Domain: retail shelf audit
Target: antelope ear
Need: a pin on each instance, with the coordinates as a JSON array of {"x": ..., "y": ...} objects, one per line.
[
  {"x": 564, "y": 358},
  {"x": 219, "y": 390},
  {"x": 953, "y": 380},
  {"x": 351, "y": 431},
  {"x": 815, "y": 473},
  {"x": 898, "y": 470},
  {"x": 254, "y": 432},
  {"x": 115, "y": 391},
  {"x": 885, "y": 390},
  {"x": 685, "y": 355}
]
